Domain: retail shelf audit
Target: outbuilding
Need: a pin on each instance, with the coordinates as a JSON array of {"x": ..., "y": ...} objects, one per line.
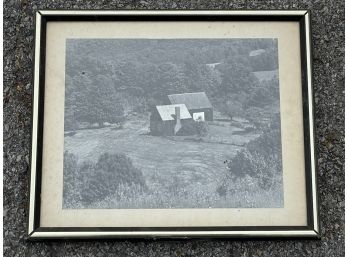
[
  {"x": 168, "y": 120},
  {"x": 197, "y": 104}
]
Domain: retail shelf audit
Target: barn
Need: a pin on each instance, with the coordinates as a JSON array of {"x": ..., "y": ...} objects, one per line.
[
  {"x": 197, "y": 103},
  {"x": 168, "y": 120}
]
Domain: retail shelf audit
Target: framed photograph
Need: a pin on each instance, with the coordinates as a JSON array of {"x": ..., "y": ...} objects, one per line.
[{"x": 172, "y": 124}]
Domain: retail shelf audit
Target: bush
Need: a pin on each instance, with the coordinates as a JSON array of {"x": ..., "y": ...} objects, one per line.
[
  {"x": 119, "y": 168},
  {"x": 194, "y": 128},
  {"x": 260, "y": 97},
  {"x": 201, "y": 128},
  {"x": 91, "y": 182},
  {"x": 255, "y": 116},
  {"x": 261, "y": 159},
  {"x": 265, "y": 168},
  {"x": 71, "y": 181},
  {"x": 242, "y": 164}
]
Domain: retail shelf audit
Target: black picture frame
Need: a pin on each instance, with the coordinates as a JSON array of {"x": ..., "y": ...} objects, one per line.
[{"x": 36, "y": 232}]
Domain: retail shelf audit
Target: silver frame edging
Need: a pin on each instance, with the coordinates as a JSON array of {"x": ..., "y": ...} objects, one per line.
[
  {"x": 34, "y": 123},
  {"x": 104, "y": 234},
  {"x": 311, "y": 125}
]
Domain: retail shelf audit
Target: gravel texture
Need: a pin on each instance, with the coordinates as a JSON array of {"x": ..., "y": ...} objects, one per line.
[{"x": 328, "y": 39}]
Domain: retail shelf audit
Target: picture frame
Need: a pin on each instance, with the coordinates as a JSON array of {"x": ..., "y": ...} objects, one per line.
[{"x": 46, "y": 156}]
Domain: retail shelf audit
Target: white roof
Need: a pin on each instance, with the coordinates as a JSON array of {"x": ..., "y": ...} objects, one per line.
[
  {"x": 257, "y": 52},
  {"x": 167, "y": 112}
]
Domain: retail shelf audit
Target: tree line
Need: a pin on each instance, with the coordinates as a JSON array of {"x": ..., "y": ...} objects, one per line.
[{"x": 108, "y": 79}]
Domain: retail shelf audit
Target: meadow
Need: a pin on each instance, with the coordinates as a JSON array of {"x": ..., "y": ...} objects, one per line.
[{"x": 179, "y": 172}]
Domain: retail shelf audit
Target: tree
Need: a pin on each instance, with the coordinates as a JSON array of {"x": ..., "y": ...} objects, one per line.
[
  {"x": 235, "y": 105},
  {"x": 169, "y": 80},
  {"x": 237, "y": 76},
  {"x": 233, "y": 109},
  {"x": 266, "y": 61},
  {"x": 198, "y": 77},
  {"x": 260, "y": 97},
  {"x": 70, "y": 121},
  {"x": 96, "y": 100}
]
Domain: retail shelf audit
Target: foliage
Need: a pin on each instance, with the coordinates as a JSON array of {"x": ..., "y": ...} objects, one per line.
[
  {"x": 265, "y": 61},
  {"x": 237, "y": 76},
  {"x": 240, "y": 89},
  {"x": 92, "y": 100},
  {"x": 257, "y": 117},
  {"x": 264, "y": 95},
  {"x": 194, "y": 128},
  {"x": 260, "y": 159},
  {"x": 108, "y": 79},
  {"x": 72, "y": 182},
  {"x": 70, "y": 122},
  {"x": 201, "y": 128},
  {"x": 246, "y": 194},
  {"x": 90, "y": 182},
  {"x": 235, "y": 105},
  {"x": 198, "y": 77},
  {"x": 168, "y": 79}
]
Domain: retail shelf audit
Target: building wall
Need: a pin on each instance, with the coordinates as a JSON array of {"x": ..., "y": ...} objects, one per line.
[
  {"x": 158, "y": 127},
  {"x": 162, "y": 128},
  {"x": 166, "y": 128},
  {"x": 208, "y": 113}
]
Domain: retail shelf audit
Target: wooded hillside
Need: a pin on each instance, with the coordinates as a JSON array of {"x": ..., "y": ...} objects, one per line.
[{"x": 106, "y": 79}]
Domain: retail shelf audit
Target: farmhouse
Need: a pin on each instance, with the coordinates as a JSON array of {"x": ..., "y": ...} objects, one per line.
[
  {"x": 197, "y": 103},
  {"x": 168, "y": 120}
]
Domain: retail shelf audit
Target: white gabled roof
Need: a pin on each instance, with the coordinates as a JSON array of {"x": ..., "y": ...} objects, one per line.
[{"x": 167, "y": 112}]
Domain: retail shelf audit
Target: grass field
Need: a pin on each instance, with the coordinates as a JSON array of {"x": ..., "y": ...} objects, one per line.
[{"x": 179, "y": 171}]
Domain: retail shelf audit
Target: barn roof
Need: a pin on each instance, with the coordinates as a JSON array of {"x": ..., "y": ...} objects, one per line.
[
  {"x": 168, "y": 111},
  {"x": 196, "y": 100}
]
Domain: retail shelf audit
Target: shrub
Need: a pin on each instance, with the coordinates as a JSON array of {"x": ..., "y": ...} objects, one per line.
[
  {"x": 119, "y": 168},
  {"x": 106, "y": 176},
  {"x": 260, "y": 97},
  {"x": 257, "y": 117},
  {"x": 91, "y": 182},
  {"x": 72, "y": 183},
  {"x": 265, "y": 168},
  {"x": 201, "y": 128},
  {"x": 194, "y": 128},
  {"x": 261, "y": 159},
  {"x": 269, "y": 143},
  {"x": 242, "y": 164}
]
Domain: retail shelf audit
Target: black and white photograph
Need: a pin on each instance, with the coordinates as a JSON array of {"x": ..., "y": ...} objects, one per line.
[{"x": 172, "y": 123}]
